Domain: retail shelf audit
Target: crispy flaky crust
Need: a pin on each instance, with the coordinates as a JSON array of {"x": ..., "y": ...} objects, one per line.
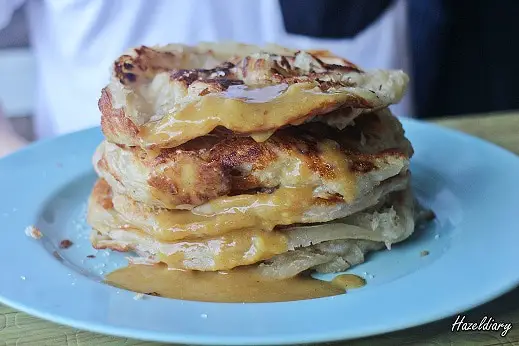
[
  {"x": 165, "y": 96},
  {"x": 310, "y": 155}
]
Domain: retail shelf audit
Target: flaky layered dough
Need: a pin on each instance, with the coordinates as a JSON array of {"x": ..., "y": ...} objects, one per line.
[
  {"x": 166, "y": 96},
  {"x": 260, "y": 211},
  {"x": 331, "y": 247},
  {"x": 333, "y": 163}
]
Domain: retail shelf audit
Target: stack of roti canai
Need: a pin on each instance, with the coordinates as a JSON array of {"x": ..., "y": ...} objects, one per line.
[{"x": 225, "y": 155}]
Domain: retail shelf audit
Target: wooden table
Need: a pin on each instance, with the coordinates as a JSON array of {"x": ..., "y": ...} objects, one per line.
[{"x": 17, "y": 328}]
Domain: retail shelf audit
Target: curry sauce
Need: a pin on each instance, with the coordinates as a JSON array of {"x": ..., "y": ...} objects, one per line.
[{"x": 240, "y": 285}]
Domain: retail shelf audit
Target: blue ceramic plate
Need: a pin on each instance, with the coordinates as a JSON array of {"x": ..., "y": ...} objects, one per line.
[{"x": 473, "y": 253}]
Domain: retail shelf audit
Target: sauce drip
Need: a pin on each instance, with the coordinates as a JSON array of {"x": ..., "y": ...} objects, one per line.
[
  {"x": 255, "y": 110},
  {"x": 264, "y": 212},
  {"x": 240, "y": 285},
  {"x": 223, "y": 252},
  {"x": 218, "y": 216},
  {"x": 347, "y": 281}
]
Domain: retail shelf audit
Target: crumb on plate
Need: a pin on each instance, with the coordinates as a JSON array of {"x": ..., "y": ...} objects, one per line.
[
  {"x": 424, "y": 253},
  {"x": 91, "y": 256},
  {"x": 33, "y": 232},
  {"x": 65, "y": 244},
  {"x": 138, "y": 296}
]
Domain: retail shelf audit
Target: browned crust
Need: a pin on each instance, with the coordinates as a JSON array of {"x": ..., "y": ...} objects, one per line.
[
  {"x": 214, "y": 185},
  {"x": 114, "y": 123},
  {"x": 102, "y": 194},
  {"x": 163, "y": 183},
  {"x": 229, "y": 154},
  {"x": 129, "y": 69},
  {"x": 224, "y": 164},
  {"x": 103, "y": 165},
  {"x": 133, "y": 69}
]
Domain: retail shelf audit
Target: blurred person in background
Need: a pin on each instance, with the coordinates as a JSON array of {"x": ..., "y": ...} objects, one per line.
[
  {"x": 9, "y": 139},
  {"x": 76, "y": 41},
  {"x": 464, "y": 56}
]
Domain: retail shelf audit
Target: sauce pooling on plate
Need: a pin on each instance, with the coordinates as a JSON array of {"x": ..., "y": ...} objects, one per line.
[{"x": 240, "y": 285}]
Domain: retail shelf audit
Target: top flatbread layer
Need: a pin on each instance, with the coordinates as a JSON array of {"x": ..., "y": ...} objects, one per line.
[{"x": 162, "y": 97}]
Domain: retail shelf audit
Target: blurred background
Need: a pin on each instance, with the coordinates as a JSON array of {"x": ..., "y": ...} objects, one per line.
[
  {"x": 17, "y": 95},
  {"x": 462, "y": 55}
]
